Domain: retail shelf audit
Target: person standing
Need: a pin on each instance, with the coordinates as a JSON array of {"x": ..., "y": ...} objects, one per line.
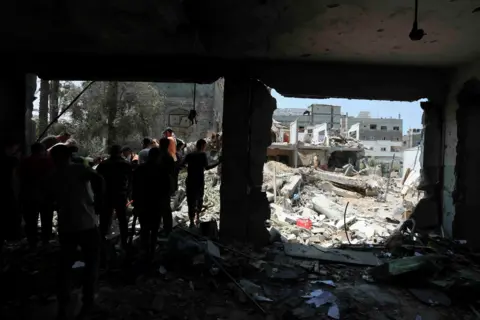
[
  {"x": 117, "y": 173},
  {"x": 10, "y": 219},
  {"x": 196, "y": 163},
  {"x": 172, "y": 146},
  {"x": 147, "y": 144},
  {"x": 71, "y": 188},
  {"x": 34, "y": 172},
  {"x": 151, "y": 193}
]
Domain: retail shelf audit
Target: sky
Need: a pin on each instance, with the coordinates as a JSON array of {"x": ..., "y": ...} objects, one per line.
[{"x": 410, "y": 112}]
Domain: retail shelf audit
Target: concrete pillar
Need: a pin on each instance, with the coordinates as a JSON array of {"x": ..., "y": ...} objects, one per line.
[
  {"x": 13, "y": 106},
  {"x": 466, "y": 195},
  {"x": 247, "y": 121}
]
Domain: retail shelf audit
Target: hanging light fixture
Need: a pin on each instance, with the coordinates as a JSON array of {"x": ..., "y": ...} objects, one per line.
[{"x": 416, "y": 34}]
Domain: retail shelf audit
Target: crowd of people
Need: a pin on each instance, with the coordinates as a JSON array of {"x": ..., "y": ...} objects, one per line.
[{"x": 86, "y": 195}]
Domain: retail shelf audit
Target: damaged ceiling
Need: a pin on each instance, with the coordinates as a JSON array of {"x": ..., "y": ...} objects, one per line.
[{"x": 250, "y": 33}]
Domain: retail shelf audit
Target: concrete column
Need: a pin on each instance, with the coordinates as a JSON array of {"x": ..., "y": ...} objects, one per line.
[
  {"x": 428, "y": 213},
  {"x": 247, "y": 121},
  {"x": 13, "y": 106},
  {"x": 466, "y": 195}
]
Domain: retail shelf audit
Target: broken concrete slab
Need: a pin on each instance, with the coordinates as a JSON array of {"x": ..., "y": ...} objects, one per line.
[
  {"x": 316, "y": 252},
  {"x": 291, "y": 186},
  {"x": 323, "y": 205},
  {"x": 270, "y": 196},
  {"x": 357, "y": 184},
  {"x": 307, "y": 213}
]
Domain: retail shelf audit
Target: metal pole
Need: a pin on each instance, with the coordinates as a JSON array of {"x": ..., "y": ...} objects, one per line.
[
  {"x": 388, "y": 180},
  {"x": 331, "y": 118},
  {"x": 275, "y": 184}
]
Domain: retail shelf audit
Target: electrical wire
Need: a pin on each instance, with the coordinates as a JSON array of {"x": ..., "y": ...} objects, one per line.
[{"x": 64, "y": 110}]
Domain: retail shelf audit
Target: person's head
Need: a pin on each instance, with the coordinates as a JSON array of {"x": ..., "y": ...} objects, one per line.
[
  {"x": 64, "y": 137},
  {"x": 154, "y": 144},
  {"x": 61, "y": 155},
  {"x": 126, "y": 152},
  {"x": 37, "y": 149},
  {"x": 115, "y": 150},
  {"x": 201, "y": 145},
  {"x": 153, "y": 155},
  {"x": 146, "y": 142},
  {"x": 164, "y": 143},
  {"x": 168, "y": 132}
]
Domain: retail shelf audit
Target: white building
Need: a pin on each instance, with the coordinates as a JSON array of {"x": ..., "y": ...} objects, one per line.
[{"x": 380, "y": 150}]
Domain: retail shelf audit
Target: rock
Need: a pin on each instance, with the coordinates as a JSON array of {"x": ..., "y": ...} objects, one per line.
[
  {"x": 270, "y": 196},
  {"x": 323, "y": 205},
  {"x": 291, "y": 186},
  {"x": 317, "y": 238},
  {"x": 349, "y": 220},
  {"x": 350, "y": 171},
  {"x": 307, "y": 213}
]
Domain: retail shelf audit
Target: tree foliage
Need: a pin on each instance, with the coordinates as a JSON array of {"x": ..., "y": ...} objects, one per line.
[{"x": 117, "y": 112}]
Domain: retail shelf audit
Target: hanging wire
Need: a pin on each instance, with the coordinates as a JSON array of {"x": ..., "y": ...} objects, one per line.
[{"x": 64, "y": 110}]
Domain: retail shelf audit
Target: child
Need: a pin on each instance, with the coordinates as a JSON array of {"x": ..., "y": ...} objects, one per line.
[{"x": 196, "y": 163}]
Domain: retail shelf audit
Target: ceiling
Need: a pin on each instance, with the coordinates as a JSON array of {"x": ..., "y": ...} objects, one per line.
[{"x": 354, "y": 31}]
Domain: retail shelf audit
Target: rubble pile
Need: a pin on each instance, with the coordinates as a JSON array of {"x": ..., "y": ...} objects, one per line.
[
  {"x": 336, "y": 253},
  {"x": 341, "y": 141}
]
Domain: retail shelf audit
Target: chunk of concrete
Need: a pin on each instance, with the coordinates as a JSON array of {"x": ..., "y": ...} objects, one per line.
[
  {"x": 270, "y": 196},
  {"x": 323, "y": 205},
  {"x": 291, "y": 186},
  {"x": 307, "y": 213}
]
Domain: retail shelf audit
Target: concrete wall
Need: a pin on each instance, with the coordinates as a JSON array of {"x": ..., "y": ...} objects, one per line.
[
  {"x": 450, "y": 133},
  {"x": 305, "y": 157},
  {"x": 411, "y": 159},
  {"x": 179, "y": 102},
  {"x": 320, "y": 134},
  {"x": 384, "y": 130},
  {"x": 375, "y": 150}
]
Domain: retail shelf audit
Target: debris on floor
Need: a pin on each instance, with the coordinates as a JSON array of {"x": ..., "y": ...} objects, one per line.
[{"x": 337, "y": 252}]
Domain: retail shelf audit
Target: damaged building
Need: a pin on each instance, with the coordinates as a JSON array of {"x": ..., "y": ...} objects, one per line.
[{"x": 375, "y": 50}]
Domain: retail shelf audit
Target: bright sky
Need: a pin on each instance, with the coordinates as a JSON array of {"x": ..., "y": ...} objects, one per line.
[{"x": 410, "y": 112}]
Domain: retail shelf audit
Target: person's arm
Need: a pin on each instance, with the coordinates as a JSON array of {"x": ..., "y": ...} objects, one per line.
[{"x": 210, "y": 166}]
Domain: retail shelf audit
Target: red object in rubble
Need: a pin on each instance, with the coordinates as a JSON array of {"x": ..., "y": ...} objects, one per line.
[{"x": 304, "y": 223}]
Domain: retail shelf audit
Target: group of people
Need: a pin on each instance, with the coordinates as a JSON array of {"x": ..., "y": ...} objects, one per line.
[{"x": 53, "y": 178}]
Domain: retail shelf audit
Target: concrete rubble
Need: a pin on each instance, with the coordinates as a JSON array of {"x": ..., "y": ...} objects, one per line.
[{"x": 335, "y": 253}]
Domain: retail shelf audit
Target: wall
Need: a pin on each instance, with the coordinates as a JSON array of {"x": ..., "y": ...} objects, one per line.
[
  {"x": 411, "y": 159},
  {"x": 450, "y": 133},
  {"x": 374, "y": 149},
  {"x": 305, "y": 157},
  {"x": 378, "y": 134},
  {"x": 321, "y": 113},
  {"x": 179, "y": 102},
  {"x": 320, "y": 134}
]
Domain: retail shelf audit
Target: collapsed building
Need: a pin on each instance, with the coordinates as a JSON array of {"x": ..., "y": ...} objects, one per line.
[
  {"x": 316, "y": 145},
  {"x": 371, "y": 56}
]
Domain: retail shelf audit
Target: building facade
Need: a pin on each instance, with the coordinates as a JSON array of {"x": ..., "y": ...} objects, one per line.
[
  {"x": 313, "y": 115},
  {"x": 413, "y": 138},
  {"x": 373, "y": 129}
]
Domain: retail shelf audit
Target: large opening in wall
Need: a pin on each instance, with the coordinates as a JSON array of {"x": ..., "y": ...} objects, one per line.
[
  {"x": 365, "y": 139},
  {"x": 385, "y": 129},
  {"x": 124, "y": 113}
]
